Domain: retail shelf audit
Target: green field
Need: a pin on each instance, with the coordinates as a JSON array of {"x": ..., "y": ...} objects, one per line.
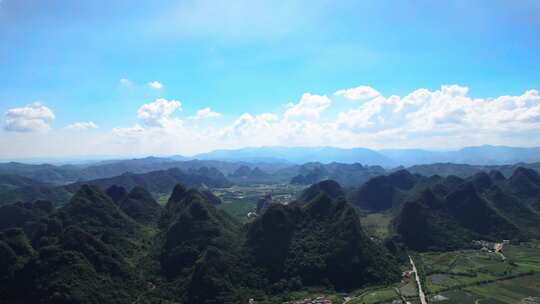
[
  {"x": 377, "y": 224},
  {"x": 238, "y": 200},
  {"x": 473, "y": 276}
]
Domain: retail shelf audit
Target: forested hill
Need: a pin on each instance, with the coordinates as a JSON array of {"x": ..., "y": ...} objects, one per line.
[
  {"x": 155, "y": 182},
  {"x": 123, "y": 247},
  {"x": 438, "y": 213}
]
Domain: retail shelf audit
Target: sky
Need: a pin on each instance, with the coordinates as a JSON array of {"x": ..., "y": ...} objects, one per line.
[{"x": 134, "y": 78}]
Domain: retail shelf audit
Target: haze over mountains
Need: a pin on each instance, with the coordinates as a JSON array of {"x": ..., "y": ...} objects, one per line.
[
  {"x": 349, "y": 167},
  {"x": 479, "y": 155},
  {"x": 72, "y": 233},
  {"x": 474, "y": 155}
]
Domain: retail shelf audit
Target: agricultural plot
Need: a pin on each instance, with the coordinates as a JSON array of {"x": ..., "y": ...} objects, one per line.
[
  {"x": 375, "y": 295},
  {"x": 474, "y": 276},
  {"x": 377, "y": 224},
  {"x": 238, "y": 200}
]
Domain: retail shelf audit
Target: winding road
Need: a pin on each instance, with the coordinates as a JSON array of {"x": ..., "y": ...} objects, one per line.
[{"x": 421, "y": 294}]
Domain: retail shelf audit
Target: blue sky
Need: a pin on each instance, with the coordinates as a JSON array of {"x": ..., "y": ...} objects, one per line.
[{"x": 259, "y": 58}]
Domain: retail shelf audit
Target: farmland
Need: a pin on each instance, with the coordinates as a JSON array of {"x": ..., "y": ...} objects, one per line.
[
  {"x": 238, "y": 200},
  {"x": 474, "y": 276}
]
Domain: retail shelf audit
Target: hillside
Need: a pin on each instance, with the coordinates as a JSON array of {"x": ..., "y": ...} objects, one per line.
[
  {"x": 156, "y": 182},
  {"x": 439, "y": 213},
  {"x": 467, "y": 170},
  {"x": 126, "y": 248},
  {"x": 383, "y": 192},
  {"x": 347, "y": 175},
  {"x": 322, "y": 240},
  {"x": 161, "y": 181}
]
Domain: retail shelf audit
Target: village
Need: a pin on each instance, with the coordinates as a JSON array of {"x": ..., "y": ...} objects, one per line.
[{"x": 317, "y": 300}]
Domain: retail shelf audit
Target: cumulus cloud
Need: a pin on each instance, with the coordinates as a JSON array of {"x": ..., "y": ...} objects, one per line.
[
  {"x": 358, "y": 93},
  {"x": 125, "y": 82},
  {"x": 449, "y": 108},
  {"x": 206, "y": 113},
  {"x": 82, "y": 125},
  {"x": 309, "y": 106},
  {"x": 156, "y": 85},
  {"x": 446, "y": 118},
  {"x": 31, "y": 118},
  {"x": 158, "y": 112}
]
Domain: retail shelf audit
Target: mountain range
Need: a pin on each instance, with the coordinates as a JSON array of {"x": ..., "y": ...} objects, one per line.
[
  {"x": 14, "y": 188},
  {"x": 441, "y": 213},
  {"x": 96, "y": 249},
  {"x": 479, "y": 155},
  {"x": 108, "y": 240}
]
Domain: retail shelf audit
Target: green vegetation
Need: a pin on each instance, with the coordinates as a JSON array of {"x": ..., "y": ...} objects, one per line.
[
  {"x": 377, "y": 224},
  {"x": 375, "y": 295},
  {"x": 238, "y": 200},
  {"x": 436, "y": 213},
  {"x": 468, "y": 276},
  {"x": 199, "y": 246},
  {"x": 124, "y": 247},
  {"x": 239, "y": 209}
]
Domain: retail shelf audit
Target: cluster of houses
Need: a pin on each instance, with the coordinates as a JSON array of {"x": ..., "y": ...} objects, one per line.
[
  {"x": 318, "y": 300},
  {"x": 490, "y": 246},
  {"x": 406, "y": 276}
]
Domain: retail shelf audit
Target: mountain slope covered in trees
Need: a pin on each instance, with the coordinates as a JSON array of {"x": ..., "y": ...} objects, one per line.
[{"x": 120, "y": 246}]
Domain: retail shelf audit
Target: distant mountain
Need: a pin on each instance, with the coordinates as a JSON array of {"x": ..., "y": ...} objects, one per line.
[
  {"x": 10, "y": 182},
  {"x": 245, "y": 174},
  {"x": 300, "y": 155},
  {"x": 480, "y": 155},
  {"x": 156, "y": 182},
  {"x": 66, "y": 174},
  {"x": 347, "y": 175},
  {"x": 160, "y": 181},
  {"x": 43, "y": 173},
  {"x": 465, "y": 170},
  {"x": 273, "y": 159}
]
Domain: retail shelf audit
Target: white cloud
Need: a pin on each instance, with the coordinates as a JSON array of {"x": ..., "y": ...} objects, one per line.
[
  {"x": 125, "y": 82},
  {"x": 156, "y": 85},
  {"x": 158, "y": 113},
  {"x": 82, "y": 125},
  {"x": 448, "y": 109},
  {"x": 309, "y": 106},
  {"x": 358, "y": 93},
  {"x": 31, "y": 118},
  {"x": 206, "y": 113},
  {"x": 443, "y": 118},
  {"x": 131, "y": 132}
]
